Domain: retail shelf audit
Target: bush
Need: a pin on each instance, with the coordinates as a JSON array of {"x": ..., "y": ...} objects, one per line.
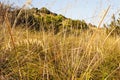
[{"x": 115, "y": 26}]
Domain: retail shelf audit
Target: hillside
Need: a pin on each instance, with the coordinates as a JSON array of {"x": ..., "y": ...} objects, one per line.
[{"x": 44, "y": 19}]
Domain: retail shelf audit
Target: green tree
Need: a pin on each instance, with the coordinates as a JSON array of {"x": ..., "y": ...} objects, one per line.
[{"x": 115, "y": 24}]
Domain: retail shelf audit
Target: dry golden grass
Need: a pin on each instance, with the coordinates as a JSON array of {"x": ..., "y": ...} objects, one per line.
[
  {"x": 32, "y": 55},
  {"x": 61, "y": 57}
]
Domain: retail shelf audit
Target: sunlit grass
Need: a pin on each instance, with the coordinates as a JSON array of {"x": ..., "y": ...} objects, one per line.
[
  {"x": 27, "y": 54},
  {"x": 61, "y": 57}
]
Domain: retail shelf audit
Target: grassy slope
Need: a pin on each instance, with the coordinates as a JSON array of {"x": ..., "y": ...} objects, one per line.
[{"x": 41, "y": 55}]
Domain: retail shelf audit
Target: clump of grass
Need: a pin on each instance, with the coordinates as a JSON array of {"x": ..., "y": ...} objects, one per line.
[{"x": 56, "y": 57}]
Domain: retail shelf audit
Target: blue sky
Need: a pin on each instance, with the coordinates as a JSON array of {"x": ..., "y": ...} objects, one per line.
[{"x": 89, "y": 10}]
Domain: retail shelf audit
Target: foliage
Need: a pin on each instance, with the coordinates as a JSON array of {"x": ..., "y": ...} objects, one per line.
[
  {"x": 43, "y": 19},
  {"x": 115, "y": 26},
  {"x": 44, "y": 10}
]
